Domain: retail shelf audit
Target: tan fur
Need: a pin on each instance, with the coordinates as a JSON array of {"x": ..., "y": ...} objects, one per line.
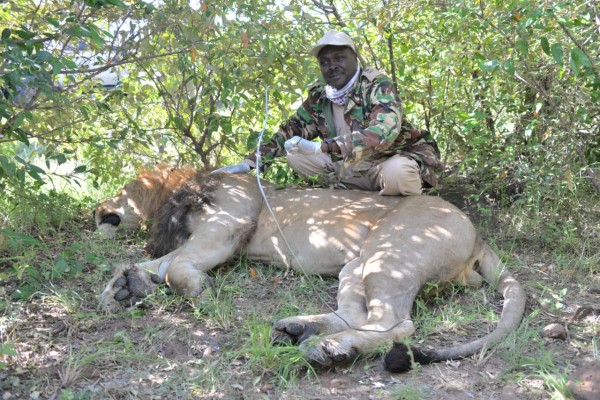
[
  {"x": 384, "y": 250},
  {"x": 140, "y": 200}
]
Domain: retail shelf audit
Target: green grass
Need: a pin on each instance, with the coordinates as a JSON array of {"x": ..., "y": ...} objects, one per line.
[{"x": 283, "y": 364}]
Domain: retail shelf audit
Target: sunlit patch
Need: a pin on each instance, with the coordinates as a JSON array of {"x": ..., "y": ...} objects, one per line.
[
  {"x": 442, "y": 210},
  {"x": 417, "y": 239},
  {"x": 318, "y": 238},
  {"x": 438, "y": 233}
]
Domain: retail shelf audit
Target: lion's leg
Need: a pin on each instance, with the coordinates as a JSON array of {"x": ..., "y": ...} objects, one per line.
[
  {"x": 184, "y": 270},
  {"x": 216, "y": 238},
  {"x": 470, "y": 277},
  {"x": 391, "y": 286},
  {"x": 351, "y": 311},
  {"x": 187, "y": 277}
]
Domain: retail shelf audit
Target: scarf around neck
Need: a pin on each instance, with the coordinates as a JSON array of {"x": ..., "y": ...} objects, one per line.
[{"x": 340, "y": 96}]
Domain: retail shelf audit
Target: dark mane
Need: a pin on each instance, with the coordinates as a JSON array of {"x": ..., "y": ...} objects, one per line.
[{"x": 171, "y": 228}]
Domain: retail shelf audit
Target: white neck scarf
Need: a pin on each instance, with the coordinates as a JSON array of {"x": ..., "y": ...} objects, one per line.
[{"x": 340, "y": 96}]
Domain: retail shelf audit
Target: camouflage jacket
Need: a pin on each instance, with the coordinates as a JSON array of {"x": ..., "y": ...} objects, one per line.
[{"x": 378, "y": 128}]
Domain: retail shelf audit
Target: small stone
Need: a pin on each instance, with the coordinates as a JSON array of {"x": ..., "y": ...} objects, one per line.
[
  {"x": 555, "y": 331},
  {"x": 59, "y": 327},
  {"x": 267, "y": 387}
]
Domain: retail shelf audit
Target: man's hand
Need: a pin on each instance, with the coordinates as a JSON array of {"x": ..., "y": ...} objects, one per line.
[
  {"x": 240, "y": 168},
  {"x": 297, "y": 145}
]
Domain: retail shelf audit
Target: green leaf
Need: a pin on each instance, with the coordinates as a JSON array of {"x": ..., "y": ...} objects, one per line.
[
  {"x": 24, "y": 34},
  {"x": 61, "y": 265},
  {"x": 69, "y": 63},
  {"x": 489, "y": 65},
  {"x": 52, "y": 21},
  {"x": 35, "y": 168},
  {"x": 61, "y": 159},
  {"x": 76, "y": 31},
  {"x": 117, "y": 3},
  {"x": 179, "y": 123},
  {"x": 580, "y": 59},
  {"x": 8, "y": 349},
  {"x": 522, "y": 47},
  {"x": 545, "y": 45},
  {"x": 102, "y": 106},
  {"x": 479, "y": 56},
  {"x": 56, "y": 67},
  {"x": 9, "y": 167},
  {"x": 557, "y": 53},
  {"x": 5, "y": 34},
  {"x": 509, "y": 66},
  {"x": 21, "y": 238},
  {"x": 94, "y": 36},
  {"x": 84, "y": 110},
  {"x": 35, "y": 176},
  {"x": 43, "y": 56},
  {"x": 479, "y": 115},
  {"x": 80, "y": 169}
]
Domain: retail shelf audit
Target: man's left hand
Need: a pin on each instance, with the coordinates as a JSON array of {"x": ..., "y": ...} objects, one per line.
[{"x": 297, "y": 145}]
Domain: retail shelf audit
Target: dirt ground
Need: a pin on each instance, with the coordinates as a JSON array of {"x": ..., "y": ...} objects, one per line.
[{"x": 68, "y": 349}]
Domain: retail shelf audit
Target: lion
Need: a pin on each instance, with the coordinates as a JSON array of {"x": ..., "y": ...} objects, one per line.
[{"x": 384, "y": 250}]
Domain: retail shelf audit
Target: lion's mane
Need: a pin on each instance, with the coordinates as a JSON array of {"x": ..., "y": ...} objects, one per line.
[{"x": 171, "y": 228}]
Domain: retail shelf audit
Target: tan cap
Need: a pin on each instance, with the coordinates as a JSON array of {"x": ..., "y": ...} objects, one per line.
[{"x": 333, "y": 38}]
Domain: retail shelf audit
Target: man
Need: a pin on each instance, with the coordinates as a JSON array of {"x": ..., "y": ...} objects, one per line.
[{"x": 365, "y": 142}]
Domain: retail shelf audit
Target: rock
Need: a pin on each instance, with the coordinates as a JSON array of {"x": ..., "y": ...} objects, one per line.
[
  {"x": 581, "y": 312},
  {"x": 584, "y": 382},
  {"x": 555, "y": 331}
]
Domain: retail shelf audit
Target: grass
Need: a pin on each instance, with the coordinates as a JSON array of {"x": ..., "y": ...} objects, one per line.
[{"x": 283, "y": 363}]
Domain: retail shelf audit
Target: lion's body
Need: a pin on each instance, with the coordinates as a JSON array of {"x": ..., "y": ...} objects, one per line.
[{"x": 384, "y": 249}]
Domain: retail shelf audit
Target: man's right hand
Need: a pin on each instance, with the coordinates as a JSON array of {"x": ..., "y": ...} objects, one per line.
[{"x": 240, "y": 168}]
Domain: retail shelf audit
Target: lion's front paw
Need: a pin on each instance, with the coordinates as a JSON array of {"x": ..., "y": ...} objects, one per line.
[
  {"x": 329, "y": 351},
  {"x": 287, "y": 331},
  {"x": 127, "y": 287}
]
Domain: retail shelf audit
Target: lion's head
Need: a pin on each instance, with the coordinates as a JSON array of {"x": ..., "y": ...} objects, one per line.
[{"x": 140, "y": 201}]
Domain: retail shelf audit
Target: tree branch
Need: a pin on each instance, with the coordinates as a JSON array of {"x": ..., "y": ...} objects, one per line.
[
  {"x": 579, "y": 46},
  {"x": 129, "y": 60},
  {"x": 390, "y": 45}
]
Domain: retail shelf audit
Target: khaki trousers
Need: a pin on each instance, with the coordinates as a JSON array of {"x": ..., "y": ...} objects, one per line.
[{"x": 397, "y": 175}]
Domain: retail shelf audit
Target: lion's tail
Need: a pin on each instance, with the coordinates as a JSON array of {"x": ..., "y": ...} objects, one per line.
[{"x": 495, "y": 273}]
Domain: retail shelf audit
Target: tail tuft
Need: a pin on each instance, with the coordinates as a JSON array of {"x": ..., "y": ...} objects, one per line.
[{"x": 398, "y": 358}]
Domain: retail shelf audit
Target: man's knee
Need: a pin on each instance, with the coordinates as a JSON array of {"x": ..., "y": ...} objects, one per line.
[
  {"x": 400, "y": 176},
  {"x": 308, "y": 165}
]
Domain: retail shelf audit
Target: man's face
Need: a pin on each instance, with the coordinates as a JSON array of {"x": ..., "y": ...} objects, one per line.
[{"x": 338, "y": 65}]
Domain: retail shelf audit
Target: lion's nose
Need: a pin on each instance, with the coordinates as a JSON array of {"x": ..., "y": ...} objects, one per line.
[{"x": 112, "y": 219}]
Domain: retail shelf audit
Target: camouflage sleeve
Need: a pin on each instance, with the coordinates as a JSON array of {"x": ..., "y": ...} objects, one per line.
[
  {"x": 302, "y": 124},
  {"x": 381, "y": 126}
]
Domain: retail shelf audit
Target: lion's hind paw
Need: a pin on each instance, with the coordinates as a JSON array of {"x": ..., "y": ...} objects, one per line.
[
  {"x": 293, "y": 332},
  {"x": 328, "y": 352}
]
